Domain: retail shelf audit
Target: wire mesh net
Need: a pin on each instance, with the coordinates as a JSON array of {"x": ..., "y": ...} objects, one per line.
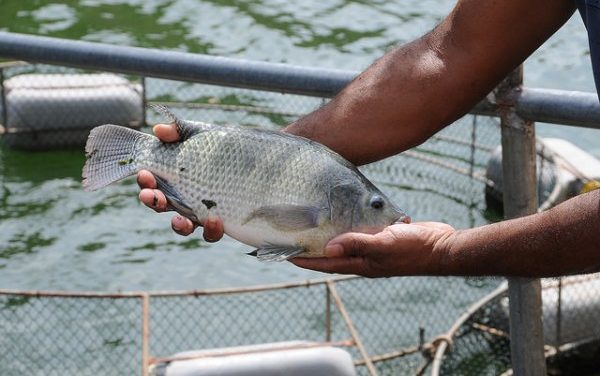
[
  {"x": 182, "y": 323},
  {"x": 397, "y": 319},
  {"x": 481, "y": 345},
  {"x": 41, "y": 335}
]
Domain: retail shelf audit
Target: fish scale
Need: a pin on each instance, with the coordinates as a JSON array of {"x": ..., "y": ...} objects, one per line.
[{"x": 285, "y": 195}]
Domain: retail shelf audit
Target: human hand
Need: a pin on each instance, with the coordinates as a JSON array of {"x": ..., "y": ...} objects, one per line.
[
  {"x": 156, "y": 200},
  {"x": 400, "y": 249}
]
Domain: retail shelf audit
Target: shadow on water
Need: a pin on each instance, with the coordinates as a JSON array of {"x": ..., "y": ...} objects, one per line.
[
  {"x": 38, "y": 167},
  {"x": 24, "y": 244}
]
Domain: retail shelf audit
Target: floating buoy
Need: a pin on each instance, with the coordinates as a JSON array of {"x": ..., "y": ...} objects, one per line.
[
  {"x": 295, "y": 358},
  {"x": 47, "y": 111},
  {"x": 563, "y": 171}
]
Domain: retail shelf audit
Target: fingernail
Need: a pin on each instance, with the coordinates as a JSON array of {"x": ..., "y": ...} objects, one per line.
[
  {"x": 334, "y": 250},
  {"x": 174, "y": 224},
  {"x": 155, "y": 199},
  {"x": 210, "y": 224}
]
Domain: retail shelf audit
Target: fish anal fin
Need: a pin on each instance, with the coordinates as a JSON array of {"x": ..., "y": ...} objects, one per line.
[
  {"x": 288, "y": 217},
  {"x": 274, "y": 252}
]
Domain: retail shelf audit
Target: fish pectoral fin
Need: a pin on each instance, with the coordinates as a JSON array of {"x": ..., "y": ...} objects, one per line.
[
  {"x": 174, "y": 199},
  {"x": 186, "y": 129},
  {"x": 288, "y": 217},
  {"x": 274, "y": 252}
]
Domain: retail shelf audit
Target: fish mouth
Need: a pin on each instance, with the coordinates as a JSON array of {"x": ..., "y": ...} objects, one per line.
[{"x": 403, "y": 219}]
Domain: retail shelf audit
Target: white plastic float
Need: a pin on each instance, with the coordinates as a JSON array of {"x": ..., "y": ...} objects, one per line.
[
  {"x": 297, "y": 358},
  {"x": 571, "y": 309},
  {"x": 45, "y": 111},
  {"x": 563, "y": 172}
]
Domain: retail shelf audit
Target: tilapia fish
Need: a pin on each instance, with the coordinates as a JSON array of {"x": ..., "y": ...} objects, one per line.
[{"x": 283, "y": 194}]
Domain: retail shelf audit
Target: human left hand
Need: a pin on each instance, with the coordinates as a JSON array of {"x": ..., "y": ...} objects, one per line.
[
  {"x": 213, "y": 228},
  {"x": 400, "y": 249}
]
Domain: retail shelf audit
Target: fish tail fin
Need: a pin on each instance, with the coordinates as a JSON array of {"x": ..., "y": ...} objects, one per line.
[{"x": 111, "y": 152}]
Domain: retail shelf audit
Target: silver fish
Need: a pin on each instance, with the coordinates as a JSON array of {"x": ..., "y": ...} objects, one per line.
[{"x": 283, "y": 194}]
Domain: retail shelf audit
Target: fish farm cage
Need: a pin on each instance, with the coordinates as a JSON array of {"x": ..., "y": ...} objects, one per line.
[{"x": 389, "y": 326}]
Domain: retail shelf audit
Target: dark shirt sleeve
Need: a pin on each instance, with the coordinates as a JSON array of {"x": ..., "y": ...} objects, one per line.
[{"x": 590, "y": 13}]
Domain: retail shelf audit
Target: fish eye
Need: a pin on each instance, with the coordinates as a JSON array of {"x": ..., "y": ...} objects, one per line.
[{"x": 376, "y": 202}]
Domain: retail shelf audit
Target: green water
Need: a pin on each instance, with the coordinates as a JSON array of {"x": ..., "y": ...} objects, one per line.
[{"x": 55, "y": 236}]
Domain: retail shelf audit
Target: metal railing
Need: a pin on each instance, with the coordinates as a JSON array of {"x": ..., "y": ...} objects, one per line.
[
  {"x": 145, "y": 305},
  {"x": 552, "y": 106},
  {"x": 517, "y": 107}
]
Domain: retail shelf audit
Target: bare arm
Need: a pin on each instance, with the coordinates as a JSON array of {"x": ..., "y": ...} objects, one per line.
[
  {"x": 419, "y": 88},
  {"x": 563, "y": 240}
]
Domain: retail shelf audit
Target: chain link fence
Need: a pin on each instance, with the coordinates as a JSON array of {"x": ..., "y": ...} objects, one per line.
[{"x": 400, "y": 322}]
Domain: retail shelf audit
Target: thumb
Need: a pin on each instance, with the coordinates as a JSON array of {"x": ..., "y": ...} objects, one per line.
[{"x": 349, "y": 245}]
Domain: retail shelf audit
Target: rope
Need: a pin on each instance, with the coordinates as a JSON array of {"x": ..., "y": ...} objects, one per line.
[{"x": 430, "y": 348}]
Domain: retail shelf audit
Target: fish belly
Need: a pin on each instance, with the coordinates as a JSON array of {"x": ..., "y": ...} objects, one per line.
[{"x": 258, "y": 236}]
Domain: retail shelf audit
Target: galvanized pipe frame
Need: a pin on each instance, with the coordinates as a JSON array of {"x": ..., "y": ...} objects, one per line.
[
  {"x": 520, "y": 199},
  {"x": 551, "y": 106}
]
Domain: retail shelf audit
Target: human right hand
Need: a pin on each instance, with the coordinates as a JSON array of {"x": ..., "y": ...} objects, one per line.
[
  {"x": 156, "y": 200},
  {"x": 399, "y": 250}
]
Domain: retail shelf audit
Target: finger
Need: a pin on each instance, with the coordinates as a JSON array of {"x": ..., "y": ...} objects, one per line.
[
  {"x": 182, "y": 225},
  {"x": 346, "y": 265},
  {"x": 213, "y": 230},
  {"x": 154, "y": 199},
  {"x": 145, "y": 179},
  {"x": 349, "y": 245},
  {"x": 166, "y": 132}
]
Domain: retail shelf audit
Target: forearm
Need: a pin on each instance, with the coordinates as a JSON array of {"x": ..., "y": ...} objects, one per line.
[
  {"x": 563, "y": 240},
  {"x": 386, "y": 109},
  {"x": 415, "y": 90}
]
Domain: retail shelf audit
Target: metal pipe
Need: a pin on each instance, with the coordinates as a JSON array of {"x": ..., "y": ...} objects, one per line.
[
  {"x": 559, "y": 106},
  {"x": 145, "y": 334},
  {"x": 175, "y": 293},
  {"x": 327, "y": 314},
  {"x": 551, "y": 106},
  {"x": 144, "y": 101},
  {"x": 3, "y": 98},
  {"x": 520, "y": 199},
  {"x": 175, "y": 65}
]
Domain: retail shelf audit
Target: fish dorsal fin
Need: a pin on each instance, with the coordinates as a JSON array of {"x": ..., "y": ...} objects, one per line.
[
  {"x": 186, "y": 129},
  {"x": 164, "y": 111},
  {"x": 274, "y": 252}
]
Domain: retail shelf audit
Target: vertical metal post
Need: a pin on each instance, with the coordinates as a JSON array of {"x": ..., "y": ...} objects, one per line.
[
  {"x": 327, "y": 314},
  {"x": 144, "y": 122},
  {"x": 145, "y": 334},
  {"x": 520, "y": 199},
  {"x": 3, "y": 98}
]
